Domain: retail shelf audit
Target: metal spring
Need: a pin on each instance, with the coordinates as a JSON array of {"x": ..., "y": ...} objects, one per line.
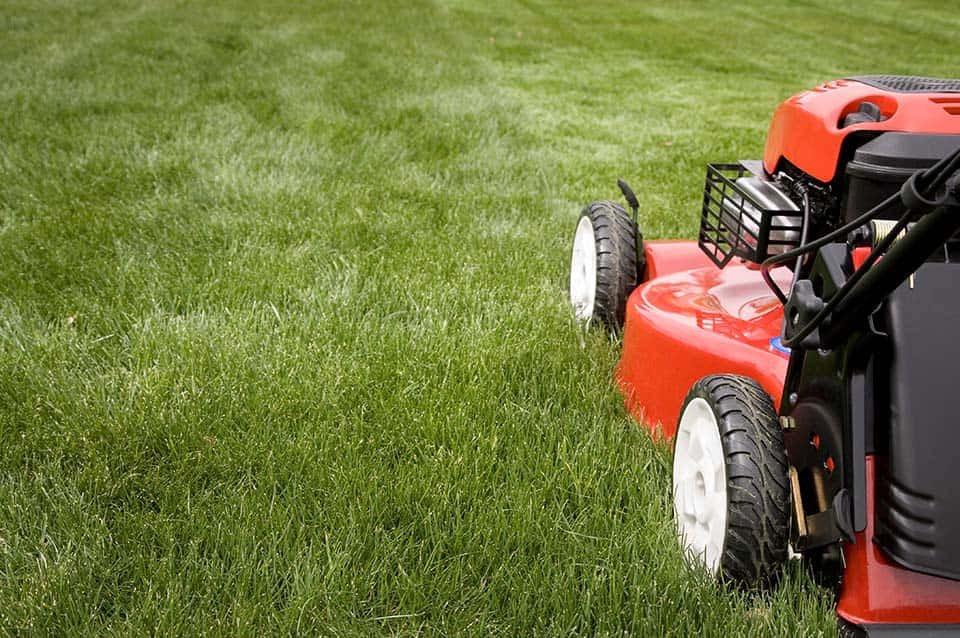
[{"x": 881, "y": 228}]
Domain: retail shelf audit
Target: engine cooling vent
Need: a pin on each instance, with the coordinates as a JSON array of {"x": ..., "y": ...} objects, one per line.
[
  {"x": 909, "y": 83},
  {"x": 949, "y": 104}
]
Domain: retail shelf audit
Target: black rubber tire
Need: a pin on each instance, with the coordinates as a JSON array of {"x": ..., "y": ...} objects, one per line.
[
  {"x": 758, "y": 492},
  {"x": 616, "y": 240},
  {"x": 846, "y": 629},
  {"x": 825, "y": 566}
]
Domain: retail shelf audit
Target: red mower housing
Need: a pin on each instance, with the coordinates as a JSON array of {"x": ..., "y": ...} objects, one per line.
[{"x": 827, "y": 276}]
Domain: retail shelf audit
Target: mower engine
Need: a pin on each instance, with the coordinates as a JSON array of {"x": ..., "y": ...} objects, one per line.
[{"x": 835, "y": 151}]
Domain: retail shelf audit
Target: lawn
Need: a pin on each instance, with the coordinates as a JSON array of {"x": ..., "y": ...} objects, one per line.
[{"x": 284, "y": 339}]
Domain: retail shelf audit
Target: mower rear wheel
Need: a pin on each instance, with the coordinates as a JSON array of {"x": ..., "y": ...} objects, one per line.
[
  {"x": 603, "y": 266},
  {"x": 730, "y": 486}
]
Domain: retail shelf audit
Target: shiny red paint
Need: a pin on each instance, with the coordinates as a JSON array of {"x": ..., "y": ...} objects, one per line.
[
  {"x": 859, "y": 256},
  {"x": 806, "y": 127},
  {"x": 690, "y": 319},
  {"x": 666, "y": 257},
  {"x": 877, "y": 591}
]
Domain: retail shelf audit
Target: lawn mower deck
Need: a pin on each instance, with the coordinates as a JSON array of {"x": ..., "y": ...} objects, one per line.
[
  {"x": 798, "y": 356},
  {"x": 688, "y": 319}
]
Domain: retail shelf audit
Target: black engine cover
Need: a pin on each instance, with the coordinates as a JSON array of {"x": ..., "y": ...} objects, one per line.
[
  {"x": 917, "y": 510},
  {"x": 881, "y": 166}
]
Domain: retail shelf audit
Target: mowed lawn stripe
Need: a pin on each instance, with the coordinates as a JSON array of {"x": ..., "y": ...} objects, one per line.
[{"x": 284, "y": 343}]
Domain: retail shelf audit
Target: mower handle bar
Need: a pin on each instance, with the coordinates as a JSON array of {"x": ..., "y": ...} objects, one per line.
[
  {"x": 875, "y": 279},
  {"x": 939, "y": 222}
]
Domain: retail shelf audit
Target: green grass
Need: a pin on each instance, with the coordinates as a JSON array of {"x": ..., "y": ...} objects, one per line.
[{"x": 284, "y": 344}]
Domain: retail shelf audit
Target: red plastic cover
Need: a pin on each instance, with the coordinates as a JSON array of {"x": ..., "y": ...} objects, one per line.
[{"x": 806, "y": 128}]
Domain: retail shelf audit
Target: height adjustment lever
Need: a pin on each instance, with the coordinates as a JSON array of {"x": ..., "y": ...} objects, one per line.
[
  {"x": 641, "y": 260},
  {"x": 630, "y": 197}
]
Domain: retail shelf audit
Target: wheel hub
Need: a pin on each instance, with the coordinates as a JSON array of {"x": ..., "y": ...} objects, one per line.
[
  {"x": 699, "y": 485},
  {"x": 583, "y": 270}
]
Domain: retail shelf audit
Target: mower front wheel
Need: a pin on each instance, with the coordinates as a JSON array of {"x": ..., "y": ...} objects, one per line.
[
  {"x": 603, "y": 267},
  {"x": 730, "y": 484}
]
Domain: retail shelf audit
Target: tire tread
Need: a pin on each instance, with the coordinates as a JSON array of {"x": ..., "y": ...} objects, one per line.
[
  {"x": 616, "y": 241},
  {"x": 758, "y": 495}
]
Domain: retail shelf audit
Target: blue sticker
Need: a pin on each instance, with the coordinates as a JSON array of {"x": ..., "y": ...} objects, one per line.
[{"x": 777, "y": 345}]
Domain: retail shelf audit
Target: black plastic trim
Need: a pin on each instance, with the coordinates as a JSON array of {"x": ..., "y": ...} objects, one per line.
[
  {"x": 856, "y": 461},
  {"x": 885, "y": 630},
  {"x": 917, "y": 514},
  {"x": 909, "y": 83}
]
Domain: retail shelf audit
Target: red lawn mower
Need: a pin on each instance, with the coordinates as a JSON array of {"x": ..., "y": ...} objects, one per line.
[{"x": 799, "y": 354}]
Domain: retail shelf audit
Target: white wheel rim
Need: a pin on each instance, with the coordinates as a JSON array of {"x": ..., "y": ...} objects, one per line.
[
  {"x": 700, "y": 486},
  {"x": 583, "y": 270}
]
